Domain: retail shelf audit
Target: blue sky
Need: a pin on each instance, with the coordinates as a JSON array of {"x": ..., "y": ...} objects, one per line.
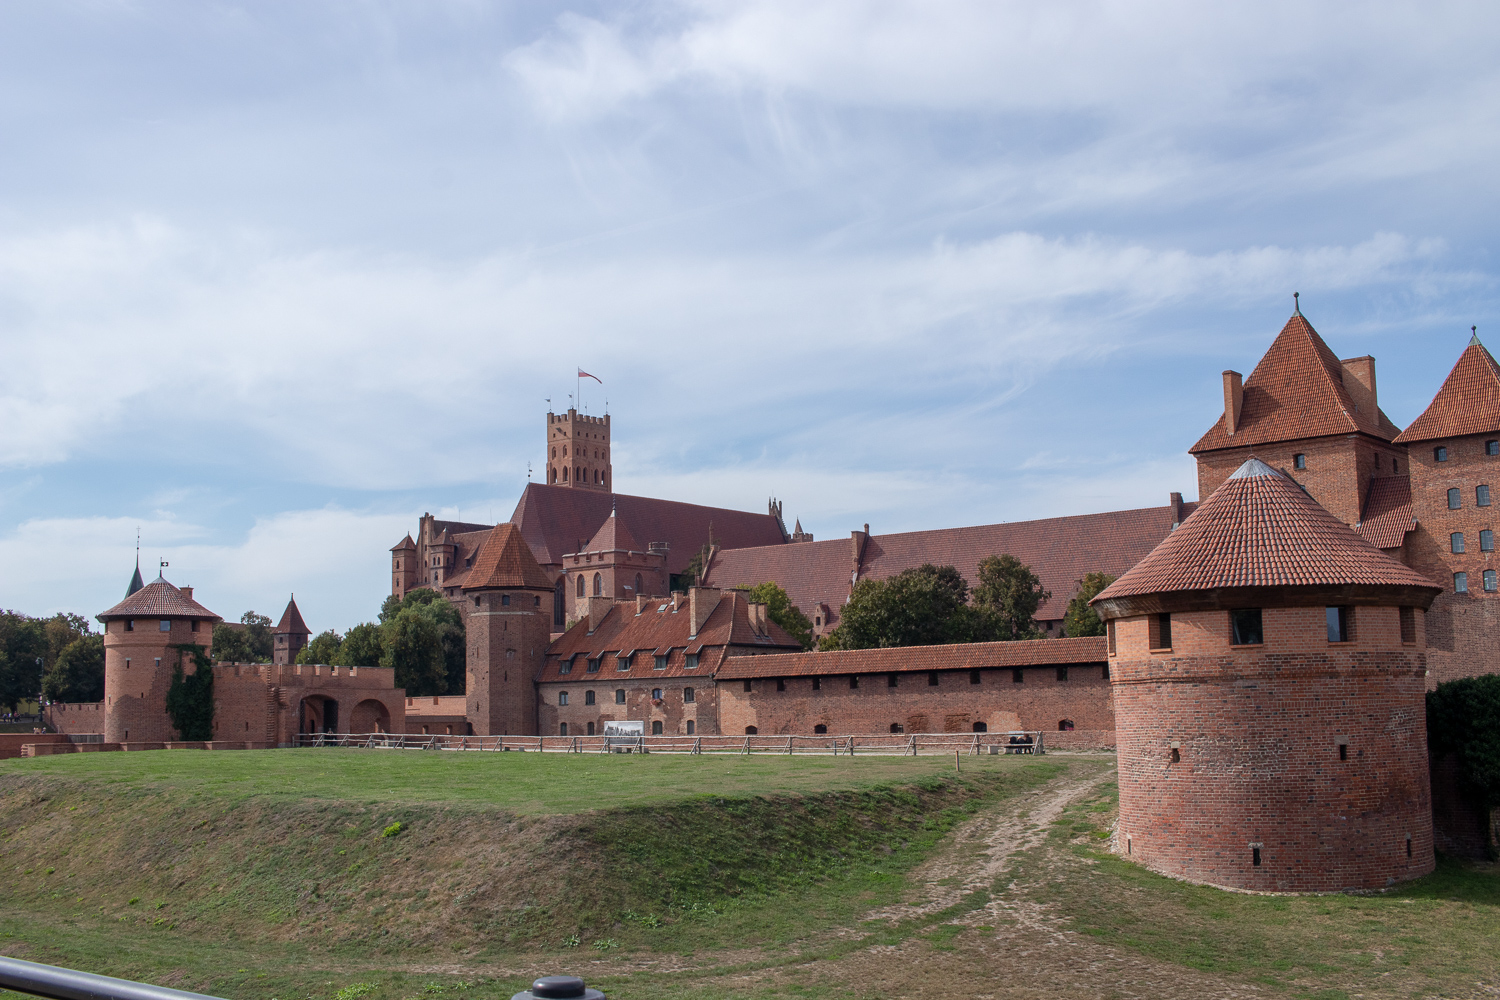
[{"x": 276, "y": 278}]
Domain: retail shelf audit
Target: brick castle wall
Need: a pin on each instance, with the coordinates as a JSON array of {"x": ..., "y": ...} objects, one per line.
[
  {"x": 508, "y": 633},
  {"x": 1257, "y": 732},
  {"x": 138, "y": 667},
  {"x": 672, "y": 710}
]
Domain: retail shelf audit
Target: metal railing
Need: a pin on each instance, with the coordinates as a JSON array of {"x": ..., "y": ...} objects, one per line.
[
  {"x": 894, "y": 744},
  {"x": 68, "y": 984}
]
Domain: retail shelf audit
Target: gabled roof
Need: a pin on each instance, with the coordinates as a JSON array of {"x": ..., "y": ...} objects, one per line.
[
  {"x": 503, "y": 560},
  {"x": 556, "y": 520},
  {"x": 291, "y": 621},
  {"x": 1060, "y": 550},
  {"x": 158, "y": 599},
  {"x": 613, "y": 536},
  {"x": 1296, "y": 391},
  {"x": 1260, "y": 529},
  {"x": 907, "y": 659},
  {"x": 1468, "y": 402},
  {"x": 1388, "y": 513},
  {"x": 405, "y": 543}
]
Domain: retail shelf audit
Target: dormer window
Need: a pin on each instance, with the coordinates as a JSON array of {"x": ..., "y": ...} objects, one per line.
[
  {"x": 692, "y": 661},
  {"x": 1440, "y": 454}
]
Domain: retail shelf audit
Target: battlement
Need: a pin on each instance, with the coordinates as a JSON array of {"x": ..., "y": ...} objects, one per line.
[
  {"x": 578, "y": 451},
  {"x": 308, "y": 674},
  {"x": 574, "y": 417}
]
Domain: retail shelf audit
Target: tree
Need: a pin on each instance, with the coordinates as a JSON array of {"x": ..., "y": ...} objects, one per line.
[
  {"x": 361, "y": 647},
  {"x": 1463, "y": 718},
  {"x": 781, "y": 610},
  {"x": 924, "y": 606},
  {"x": 78, "y": 673},
  {"x": 1010, "y": 591},
  {"x": 1080, "y": 618},
  {"x": 23, "y": 649},
  {"x": 323, "y": 648},
  {"x": 251, "y": 643},
  {"x": 413, "y": 646}
]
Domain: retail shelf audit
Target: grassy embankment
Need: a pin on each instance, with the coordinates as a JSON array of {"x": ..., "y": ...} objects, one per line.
[{"x": 183, "y": 866}]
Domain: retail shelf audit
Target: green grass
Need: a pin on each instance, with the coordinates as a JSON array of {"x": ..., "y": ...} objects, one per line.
[{"x": 523, "y": 783}]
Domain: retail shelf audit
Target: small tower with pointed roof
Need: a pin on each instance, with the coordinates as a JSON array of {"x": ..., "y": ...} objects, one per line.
[
  {"x": 142, "y": 639},
  {"x": 614, "y": 566},
  {"x": 290, "y": 635},
  {"x": 404, "y": 570},
  {"x": 1454, "y": 449},
  {"x": 1268, "y": 667},
  {"x": 507, "y": 604}
]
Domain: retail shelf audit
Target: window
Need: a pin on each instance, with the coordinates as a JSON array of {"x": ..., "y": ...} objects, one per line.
[
  {"x": 505, "y": 600},
  {"x": 591, "y": 729},
  {"x": 973, "y": 677},
  {"x": 562, "y": 697},
  {"x": 562, "y": 729},
  {"x": 656, "y": 694},
  {"x": 817, "y": 683},
  {"x": 820, "y": 729},
  {"x": 1016, "y": 676},
  {"x": 1255, "y": 851},
  {"x": 751, "y": 731},
  {"x": 1343, "y": 750},
  {"x": 598, "y": 585},
  {"x": 1395, "y": 465},
  {"x": 690, "y": 727},
  {"x": 1440, "y": 454},
  {"x": 1244, "y": 627},
  {"x": 1454, "y": 500},
  {"x": 1299, "y": 461},
  {"x": 580, "y": 585},
  {"x": 1482, "y": 495},
  {"x": 564, "y": 666},
  {"x": 1160, "y": 629},
  {"x": 165, "y": 625},
  {"x": 854, "y": 680},
  {"x": 891, "y": 680},
  {"x": 1062, "y": 673},
  {"x": 1486, "y": 540},
  {"x": 781, "y": 684},
  {"x": 747, "y": 686},
  {"x": 980, "y": 727},
  {"x": 656, "y": 728},
  {"x": 1109, "y": 631},
  {"x": 193, "y": 625},
  {"x": 897, "y": 727},
  {"x": 687, "y": 696},
  {"x": 619, "y": 696},
  {"x": 1106, "y": 671},
  {"x": 1456, "y": 541},
  {"x": 661, "y": 663},
  {"x": 1065, "y": 725},
  {"x": 690, "y": 662},
  {"x": 588, "y": 697},
  {"x": 622, "y": 662},
  {"x": 1489, "y": 580},
  {"x": 932, "y": 678},
  {"x": 1460, "y": 583},
  {"x": 129, "y": 625},
  {"x": 593, "y": 664},
  {"x": 1408, "y": 618},
  {"x": 1339, "y": 620},
  {"x": 1492, "y": 447}
]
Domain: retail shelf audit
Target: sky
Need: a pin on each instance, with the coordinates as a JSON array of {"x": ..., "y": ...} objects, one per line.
[{"x": 278, "y": 277}]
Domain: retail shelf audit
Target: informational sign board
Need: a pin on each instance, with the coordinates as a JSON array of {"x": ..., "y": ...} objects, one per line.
[{"x": 624, "y": 729}]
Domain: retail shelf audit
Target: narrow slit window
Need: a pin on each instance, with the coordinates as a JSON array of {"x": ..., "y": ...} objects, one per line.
[
  {"x": 1343, "y": 751},
  {"x": 1109, "y": 631},
  {"x": 1255, "y": 856},
  {"x": 1408, "y": 617}
]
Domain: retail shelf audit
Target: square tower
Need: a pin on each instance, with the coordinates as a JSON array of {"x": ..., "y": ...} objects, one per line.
[{"x": 578, "y": 451}]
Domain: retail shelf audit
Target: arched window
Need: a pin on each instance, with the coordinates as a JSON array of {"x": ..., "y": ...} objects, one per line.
[
  {"x": 554, "y": 474},
  {"x": 565, "y": 473},
  {"x": 562, "y": 729},
  {"x": 638, "y": 584},
  {"x": 588, "y": 697},
  {"x": 897, "y": 727},
  {"x": 751, "y": 730},
  {"x": 980, "y": 727},
  {"x": 820, "y": 729},
  {"x": 554, "y": 451},
  {"x": 581, "y": 585},
  {"x": 1065, "y": 726},
  {"x": 598, "y": 585},
  {"x": 656, "y": 728},
  {"x": 690, "y": 727}
]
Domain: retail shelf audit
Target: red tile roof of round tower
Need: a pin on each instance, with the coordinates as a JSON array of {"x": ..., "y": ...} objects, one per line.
[
  {"x": 1260, "y": 529},
  {"x": 158, "y": 599}
]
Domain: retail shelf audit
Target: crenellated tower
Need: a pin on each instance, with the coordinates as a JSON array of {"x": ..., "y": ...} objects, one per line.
[{"x": 578, "y": 451}]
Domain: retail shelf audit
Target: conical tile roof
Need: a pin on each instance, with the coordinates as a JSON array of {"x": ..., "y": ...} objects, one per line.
[
  {"x": 291, "y": 621},
  {"x": 1260, "y": 529},
  {"x": 1468, "y": 402},
  {"x": 1296, "y": 391},
  {"x": 136, "y": 583},
  {"x": 505, "y": 560},
  {"x": 613, "y": 536},
  {"x": 158, "y": 599}
]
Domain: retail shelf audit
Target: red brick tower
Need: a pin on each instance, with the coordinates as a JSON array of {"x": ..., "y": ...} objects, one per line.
[
  {"x": 614, "y": 565},
  {"x": 404, "y": 561},
  {"x": 1312, "y": 416},
  {"x": 291, "y": 634},
  {"x": 1454, "y": 449},
  {"x": 1268, "y": 669},
  {"x": 507, "y": 602},
  {"x": 141, "y": 634},
  {"x": 578, "y": 451}
]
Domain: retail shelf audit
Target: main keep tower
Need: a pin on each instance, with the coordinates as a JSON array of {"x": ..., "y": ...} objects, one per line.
[
  {"x": 1269, "y": 667},
  {"x": 578, "y": 451}
]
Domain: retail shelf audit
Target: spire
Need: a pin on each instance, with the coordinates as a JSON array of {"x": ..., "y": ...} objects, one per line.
[
  {"x": 136, "y": 583},
  {"x": 1296, "y": 303},
  {"x": 1474, "y": 340}
]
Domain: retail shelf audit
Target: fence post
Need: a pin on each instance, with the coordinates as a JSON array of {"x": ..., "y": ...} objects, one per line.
[
  {"x": 1039, "y": 748},
  {"x": 851, "y": 746},
  {"x": 698, "y": 745},
  {"x": 913, "y": 744},
  {"x": 789, "y": 744}
]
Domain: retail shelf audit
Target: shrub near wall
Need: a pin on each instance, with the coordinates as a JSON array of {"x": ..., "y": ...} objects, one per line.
[{"x": 1463, "y": 740}]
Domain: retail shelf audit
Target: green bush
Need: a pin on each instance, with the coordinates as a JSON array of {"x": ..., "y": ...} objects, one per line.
[{"x": 1463, "y": 718}]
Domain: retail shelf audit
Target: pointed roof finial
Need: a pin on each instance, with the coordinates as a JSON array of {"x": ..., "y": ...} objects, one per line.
[
  {"x": 1296, "y": 304},
  {"x": 1474, "y": 340}
]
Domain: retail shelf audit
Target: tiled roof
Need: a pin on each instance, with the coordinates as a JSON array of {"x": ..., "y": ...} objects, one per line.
[
  {"x": 556, "y": 520},
  {"x": 158, "y": 599},
  {"x": 1388, "y": 513},
  {"x": 1060, "y": 550},
  {"x": 1260, "y": 529},
  {"x": 503, "y": 560},
  {"x": 656, "y": 631},
  {"x": 1297, "y": 391},
  {"x": 291, "y": 621},
  {"x": 405, "y": 543},
  {"x": 136, "y": 583},
  {"x": 613, "y": 536},
  {"x": 1468, "y": 402},
  {"x": 964, "y": 656}
]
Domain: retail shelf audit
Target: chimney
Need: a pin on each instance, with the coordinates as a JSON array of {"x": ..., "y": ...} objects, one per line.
[
  {"x": 186, "y": 592},
  {"x": 1359, "y": 382},
  {"x": 1234, "y": 401},
  {"x": 677, "y": 599},
  {"x": 641, "y": 604},
  {"x": 701, "y": 604},
  {"x": 594, "y": 610},
  {"x": 857, "y": 541},
  {"x": 1175, "y": 499},
  {"x": 758, "y": 618}
]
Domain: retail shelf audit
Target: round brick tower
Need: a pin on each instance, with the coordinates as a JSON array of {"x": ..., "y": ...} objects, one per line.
[
  {"x": 141, "y": 636},
  {"x": 1268, "y": 667}
]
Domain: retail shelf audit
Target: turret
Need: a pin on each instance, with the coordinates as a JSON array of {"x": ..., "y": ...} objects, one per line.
[
  {"x": 290, "y": 635},
  {"x": 578, "y": 451}
]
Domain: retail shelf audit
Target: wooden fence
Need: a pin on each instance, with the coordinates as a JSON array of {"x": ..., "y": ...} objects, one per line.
[{"x": 896, "y": 744}]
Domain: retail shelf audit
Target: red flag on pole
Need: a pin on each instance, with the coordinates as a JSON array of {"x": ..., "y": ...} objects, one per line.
[{"x": 584, "y": 374}]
